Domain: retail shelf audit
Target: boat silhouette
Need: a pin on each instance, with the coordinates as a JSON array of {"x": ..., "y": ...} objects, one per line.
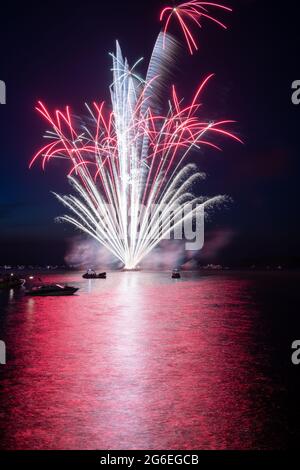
[
  {"x": 93, "y": 275},
  {"x": 51, "y": 289}
]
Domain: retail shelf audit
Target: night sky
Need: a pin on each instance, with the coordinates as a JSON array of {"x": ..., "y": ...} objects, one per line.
[{"x": 58, "y": 52}]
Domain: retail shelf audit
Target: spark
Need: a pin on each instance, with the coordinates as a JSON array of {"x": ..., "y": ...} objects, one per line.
[{"x": 190, "y": 12}]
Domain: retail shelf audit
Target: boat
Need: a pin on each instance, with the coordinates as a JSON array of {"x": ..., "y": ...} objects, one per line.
[
  {"x": 176, "y": 274},
  {"x": 51, "y": 289},
  {"x": 134, "y": 270},
  {"x": 11, "y": 281},
  {"x": 93, "y": 275}
]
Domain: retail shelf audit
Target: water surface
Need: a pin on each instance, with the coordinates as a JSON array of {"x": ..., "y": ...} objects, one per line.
[{"x": 140, "y": 361}]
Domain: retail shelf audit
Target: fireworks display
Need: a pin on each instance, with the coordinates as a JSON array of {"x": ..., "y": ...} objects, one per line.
[{"x": 127, "y": 161}]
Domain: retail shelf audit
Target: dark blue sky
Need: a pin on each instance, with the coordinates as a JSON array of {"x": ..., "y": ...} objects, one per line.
[{"x": 58, "y": 52}]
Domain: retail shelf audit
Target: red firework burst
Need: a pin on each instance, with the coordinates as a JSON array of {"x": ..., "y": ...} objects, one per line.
[{"x": 191, "y": 13}]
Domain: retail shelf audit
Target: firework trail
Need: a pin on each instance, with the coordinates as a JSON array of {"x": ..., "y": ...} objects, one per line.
[
  {"x": 191, "y": 12},
  {"x": 126, "y": 161}
]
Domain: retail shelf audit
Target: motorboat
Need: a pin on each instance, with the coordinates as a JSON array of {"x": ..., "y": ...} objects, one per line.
[
  {"x": 51, "y": 289},
  {"x": 176, "y": 274},
  {"x": 137, "y": 269},
  {"x": 93, "y": 275},
  {"x": 11, "y": 281}
]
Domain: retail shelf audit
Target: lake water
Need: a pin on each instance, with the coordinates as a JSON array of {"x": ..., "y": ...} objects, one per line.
[{"x": 140, "y": 361}]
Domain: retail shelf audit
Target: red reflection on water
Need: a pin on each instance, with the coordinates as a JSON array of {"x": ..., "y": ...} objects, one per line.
[{"x": 137, "y": 362}]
